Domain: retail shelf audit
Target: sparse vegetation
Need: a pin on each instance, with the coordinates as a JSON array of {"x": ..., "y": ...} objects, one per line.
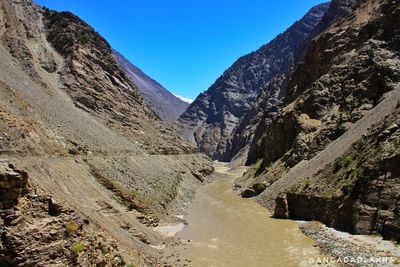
[
  {"x": 361, "y": 143},
  {"x": 72, "y": 227},
  {"x": 343, "y": 162},
  {"x": 348, "y": 160},
  {"x": 338, "y": 165},
  {"x": 341, "y": 120},
  {"x": 354, "y": 173},
  {"x": 307, "y": 182},
  {"x": 130, "y": 265},
  {"x": 347, "y": 186},
  {"x": 259, "y": 187},
  {"x": 78, "y": 247}
]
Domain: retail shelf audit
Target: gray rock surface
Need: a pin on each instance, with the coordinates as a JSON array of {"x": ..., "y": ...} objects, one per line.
[{"x": 213, "y": 116}]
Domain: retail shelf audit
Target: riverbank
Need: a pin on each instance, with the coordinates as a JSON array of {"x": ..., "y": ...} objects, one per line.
[
  {"x": 223, "y": 229},
  {"x": 352, "y": 250}
]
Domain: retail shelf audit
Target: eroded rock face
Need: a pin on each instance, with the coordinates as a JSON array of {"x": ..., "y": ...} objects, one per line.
[
  {"x": 359, "y": 193},
  {"x": 13, "y": 184},
  {"x": 212, "y": 117},
  {"x": 349, "y": 68},
  {"x": 249, "y": 132},
  {"x": 36, "y": 230}
]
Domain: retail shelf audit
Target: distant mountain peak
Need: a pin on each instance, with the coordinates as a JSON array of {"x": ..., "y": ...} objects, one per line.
[{"x": 184, "y": 99}]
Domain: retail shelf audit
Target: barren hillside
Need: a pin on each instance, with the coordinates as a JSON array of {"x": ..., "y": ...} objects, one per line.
[
  {"x": 160, "y": 100},
  {"x": 81, "y": 136}
]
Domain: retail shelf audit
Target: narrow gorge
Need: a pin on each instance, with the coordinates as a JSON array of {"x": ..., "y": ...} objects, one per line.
[{"x": 290, "y": 158}]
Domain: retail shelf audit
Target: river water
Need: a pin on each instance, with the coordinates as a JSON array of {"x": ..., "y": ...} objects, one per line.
[{"x": 226, "y": 230}]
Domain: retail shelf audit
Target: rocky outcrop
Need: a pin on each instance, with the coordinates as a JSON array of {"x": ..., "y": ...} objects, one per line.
[
  {"x": 359, "y": 192},
  {"x": 213, "y": 116},
  {"x": 160, "y": 100},
  {"x": 13, "y": 184},
  {"x": 254, "y": 190},
  {"x": 35, "y": 230},
  {"x": 248, "y": 134}
]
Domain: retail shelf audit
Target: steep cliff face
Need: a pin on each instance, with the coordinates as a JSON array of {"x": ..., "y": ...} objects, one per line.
[
  {"x": 264, "y": 110},
  {"x": 38, "y": 230},
  {"x": 160, "y": 100},
  {"x": 211, "y": 118},
  {"x": 359, "y": 192}
]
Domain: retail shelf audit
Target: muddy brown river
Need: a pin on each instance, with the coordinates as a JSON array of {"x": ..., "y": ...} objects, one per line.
[{"x": 226, "y": 230}]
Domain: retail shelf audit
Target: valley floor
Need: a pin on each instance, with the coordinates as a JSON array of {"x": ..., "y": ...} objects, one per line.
[{"x": 223, "y": 229}]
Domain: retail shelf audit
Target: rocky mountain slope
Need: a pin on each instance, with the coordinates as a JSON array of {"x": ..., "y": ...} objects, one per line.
[
  {"x": 82, "y": 156},
  {"x": 244, "y": 138},
  {"x": 160, "y": 100},
  {"x": 213, "y": 116},
  {"x": 358, "y": 192},
  {"x": 331, "y": 152}
]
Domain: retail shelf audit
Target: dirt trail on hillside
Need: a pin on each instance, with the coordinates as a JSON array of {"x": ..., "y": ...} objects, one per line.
[{"x": 333, "y": 151}]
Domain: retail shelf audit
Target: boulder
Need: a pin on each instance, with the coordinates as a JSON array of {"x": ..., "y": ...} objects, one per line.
[
  {"x": 248, "y": 193},
  {"x": 259, "y": 188},
  {"x": 13, "y": 184},
  {"x": 198, "y": 175},
  {"x": 54, "y": 208},
  {"x": 281, "y": 207}
]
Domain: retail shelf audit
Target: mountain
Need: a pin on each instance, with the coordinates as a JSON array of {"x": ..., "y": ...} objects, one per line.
[
  {"x": 212, "y": 117},
  {"x": 184, "y": 99},
  {"x": 247, "y": 135},
  {"x": 88, "y": 169},
  {"x": 168, "y": 106},
  {"x": 331, "y": 153},
  {"x": 85, "y": 165}
]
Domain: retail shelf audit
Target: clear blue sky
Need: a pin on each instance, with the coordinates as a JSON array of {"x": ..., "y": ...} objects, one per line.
[{"x": 186, "y": 44}]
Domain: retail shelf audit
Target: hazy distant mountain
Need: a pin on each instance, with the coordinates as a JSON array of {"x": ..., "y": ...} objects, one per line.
[{"x": 168, "y": 106}]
